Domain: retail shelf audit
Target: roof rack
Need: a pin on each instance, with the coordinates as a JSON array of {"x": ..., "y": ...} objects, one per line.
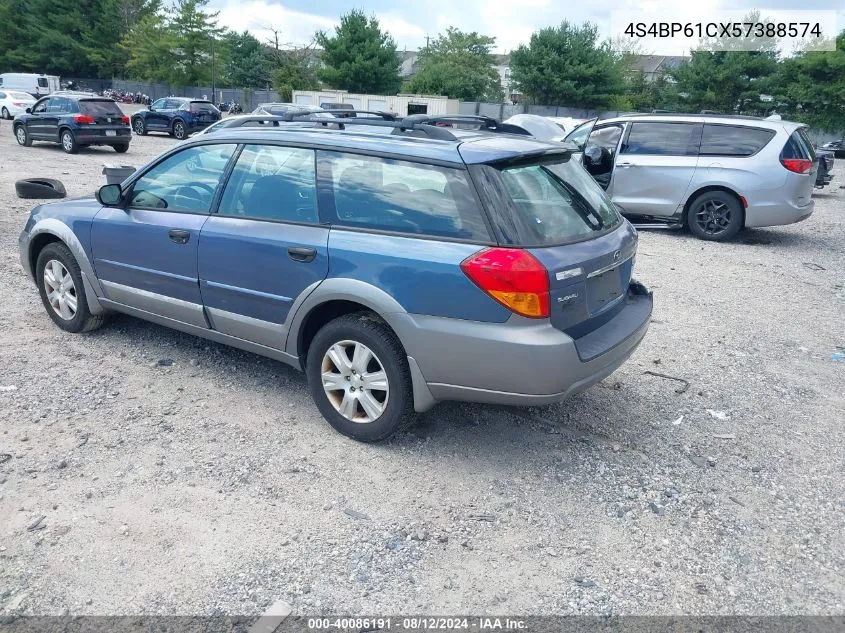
[
  {"x": 435, "y": 127},
  {"x": 691, "y": 114},
  {"x": 372, "y": 114}
]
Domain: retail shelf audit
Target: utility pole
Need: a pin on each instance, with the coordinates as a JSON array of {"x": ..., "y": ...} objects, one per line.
[{"x": 213, "y": 85}]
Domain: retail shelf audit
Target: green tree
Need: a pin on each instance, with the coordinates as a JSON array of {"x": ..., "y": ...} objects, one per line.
[
  {"x": 811, "y": 87},
  {"x": 193, "y": 30},
  {"x": 566, "y": 65},
  {"x": 360, "y": 57},
  {"x": 246, "y": 62},
  {"x": 458, "y": 65},
  {"x": 110, "y": 25},
  {"x": 730, "y": 82},
  {"x": 148, "y": 46}
]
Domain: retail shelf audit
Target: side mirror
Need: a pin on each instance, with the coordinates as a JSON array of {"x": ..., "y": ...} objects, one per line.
[
  {"x": 109, "y": 195},
  {"x": 29, "y": 110},
  {"x": 151, "y": 108}
]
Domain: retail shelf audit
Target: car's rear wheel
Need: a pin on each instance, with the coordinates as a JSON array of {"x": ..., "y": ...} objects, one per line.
[
  {"x": 22, "y": 136},
  {"x": 62, "y": 291},
  {"x": 6, "y": 114},
  {"x": 122, "y": 148},
  {"x": 180, "y": 132},
  {"x": 714, "y": 215},
  {"x": 68, "y": 141},
  {"x": 359, "y": 377}
]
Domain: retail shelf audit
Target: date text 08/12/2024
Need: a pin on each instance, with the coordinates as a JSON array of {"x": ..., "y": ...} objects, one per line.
[{"x": 417, "y": 623}]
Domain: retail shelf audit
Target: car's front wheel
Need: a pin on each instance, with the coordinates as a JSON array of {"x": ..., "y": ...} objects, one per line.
[
  {"x": 359, "y": 377},
  {"x": 62, "y": 292},
  {"x": 714, "y": 215},
  {"x": 68, "y": 141},
  {"x": 180, "y": 131},
  {"x": 22, "y": 136}
]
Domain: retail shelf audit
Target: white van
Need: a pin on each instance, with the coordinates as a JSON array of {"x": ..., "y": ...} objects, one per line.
[{"x": 33, "y": 83}]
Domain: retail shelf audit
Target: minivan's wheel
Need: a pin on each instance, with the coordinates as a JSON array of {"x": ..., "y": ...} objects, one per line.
[
  {"x": 68, "y": 141},
  {"x": 139, "y": 127},
  {"x": 22, "y": 136},
  {"x": 714, "y": 215},
  {"x": 180, "y": 131},
  {"x": 359, "y": 378},
  {"x": 6, "y": 114},
  {"x": 62, "y": 293}
]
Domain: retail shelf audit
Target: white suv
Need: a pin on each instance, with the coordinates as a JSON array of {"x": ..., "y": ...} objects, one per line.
[{"x": 715, "y": 174}]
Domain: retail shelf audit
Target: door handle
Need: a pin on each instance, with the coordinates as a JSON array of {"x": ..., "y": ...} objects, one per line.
[
  {"x": 179, "y": 236},
  {"x": 302, "y": 253},
  {"x": 625, "y": 165}
]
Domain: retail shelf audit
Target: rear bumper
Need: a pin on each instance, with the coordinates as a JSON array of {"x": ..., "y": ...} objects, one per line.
[
  {"x": 521, "y": 361},
  {"x": 777, "y": 215},
  {"x": 99, "y": 137}
]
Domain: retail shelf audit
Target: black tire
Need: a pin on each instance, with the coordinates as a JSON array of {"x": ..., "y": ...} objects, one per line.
[
  {"x": 82, "y": 320},
  {"x": 22, "y": 136},
  {"x": 40, "y": 189},
  {"x": 121, "y": 149},
  {"x": 715, "y": 216},
  {"x": 180, "y": 130},
  {"x": 67, "y": 140},
  {"x": 139, "y": 126},
  {"x": 366, "y": 328},
  {"x": 6, "y": 114}
]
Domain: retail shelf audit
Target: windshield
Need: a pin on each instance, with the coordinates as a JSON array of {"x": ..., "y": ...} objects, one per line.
[{"x": 557, "y": 201}]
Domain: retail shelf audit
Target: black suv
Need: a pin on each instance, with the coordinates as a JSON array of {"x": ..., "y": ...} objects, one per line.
[{"x": 74, "y": 120}]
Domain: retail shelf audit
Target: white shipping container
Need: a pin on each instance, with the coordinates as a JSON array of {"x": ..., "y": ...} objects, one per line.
[{"x": 402, "y": 105}]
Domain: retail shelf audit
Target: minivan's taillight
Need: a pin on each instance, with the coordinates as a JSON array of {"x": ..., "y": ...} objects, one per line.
[
  {"x": 83, "y": 118},
  {"x": 513, "y": 277},
  {"x": 797, "y": 165}
]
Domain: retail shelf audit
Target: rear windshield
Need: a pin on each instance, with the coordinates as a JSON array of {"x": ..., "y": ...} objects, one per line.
[
  {"x": 104, "y": 107},
  {"x": 202, "y": 106},
  {"x": 798, "y": 146},
  {"x": 555, "y": 201}
]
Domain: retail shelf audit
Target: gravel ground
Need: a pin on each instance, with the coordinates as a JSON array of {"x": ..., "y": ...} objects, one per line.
[{"x": 213, "y": 485}]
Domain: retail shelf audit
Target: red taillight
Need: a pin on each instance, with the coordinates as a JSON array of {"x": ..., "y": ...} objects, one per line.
[
  {"x": 125, "y": 120},
  {"x": 83, "y": 118},
  {"x": 513, "y": 277},
  {"x": 797, "y": 165}
]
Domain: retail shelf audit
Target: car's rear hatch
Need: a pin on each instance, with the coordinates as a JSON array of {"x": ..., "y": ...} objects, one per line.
[
  {"x": 204, "y": 112},
  {"x": 554, "y": 209},
  {"x": 104, "y": 112},
  {"x": 799, "y": 158}
]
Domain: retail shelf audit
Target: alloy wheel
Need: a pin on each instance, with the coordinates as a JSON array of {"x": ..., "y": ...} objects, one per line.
[
  {"x": 139, "y": 126},
  {"x": 355, "y": 382},
  {"x": 20, "y": 133},
  {"x": 60, "y": 289},
  {"x": 179, "y": 131},
  {"x": 6, "y": 114},
  {"x": 713, "y": 217},
  {"x": 67, "y": 141}
]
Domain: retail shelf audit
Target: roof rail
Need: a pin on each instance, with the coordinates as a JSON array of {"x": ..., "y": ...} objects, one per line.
[
  {"x": 690, "y": 114},
  {"x": 342, "y": 114},
  {"x": 435, "y": 127}
]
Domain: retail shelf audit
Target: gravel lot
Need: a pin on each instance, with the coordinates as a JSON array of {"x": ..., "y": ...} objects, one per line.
[{"x": 213, "y": 485}]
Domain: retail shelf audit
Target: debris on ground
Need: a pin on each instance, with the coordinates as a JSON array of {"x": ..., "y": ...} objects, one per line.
[
  {"x": 680, "y": 389},
  {"x": 719, "y": 415}
]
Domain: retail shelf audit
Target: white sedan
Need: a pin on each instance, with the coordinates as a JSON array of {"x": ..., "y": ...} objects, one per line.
[{"x": 14, "y": 102}]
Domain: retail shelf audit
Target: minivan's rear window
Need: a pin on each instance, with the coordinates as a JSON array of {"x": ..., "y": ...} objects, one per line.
[
  {"x": 554, "y": 202},
  {"x": 100, "y": 107},
  {"x": 733, "y": 140}
]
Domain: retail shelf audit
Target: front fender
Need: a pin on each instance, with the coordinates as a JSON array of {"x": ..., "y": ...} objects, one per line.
[{"x": 64, "y": 233}]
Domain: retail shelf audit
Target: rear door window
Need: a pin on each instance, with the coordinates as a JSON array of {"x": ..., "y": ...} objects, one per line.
[
  {"x": 271, "y": 182},
  {"x": 394, "y": 195},
  {"x": 100, "y": 107},
  {"x": 733, "y": 140},
  {"x": 663, "y": 139},
  {"x": 555, "y": 202},
  {"x": 186, "y": 181}
]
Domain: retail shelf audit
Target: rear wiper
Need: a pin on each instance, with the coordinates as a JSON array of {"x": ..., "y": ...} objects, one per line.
[{"x": 583, "y": 207}]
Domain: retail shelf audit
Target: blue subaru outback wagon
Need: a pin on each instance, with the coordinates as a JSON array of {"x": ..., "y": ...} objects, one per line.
[{"x": 396, "y": 269}]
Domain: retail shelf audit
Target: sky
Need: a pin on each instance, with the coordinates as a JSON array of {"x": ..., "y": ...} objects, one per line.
[{"x": 511, "y": 22}]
